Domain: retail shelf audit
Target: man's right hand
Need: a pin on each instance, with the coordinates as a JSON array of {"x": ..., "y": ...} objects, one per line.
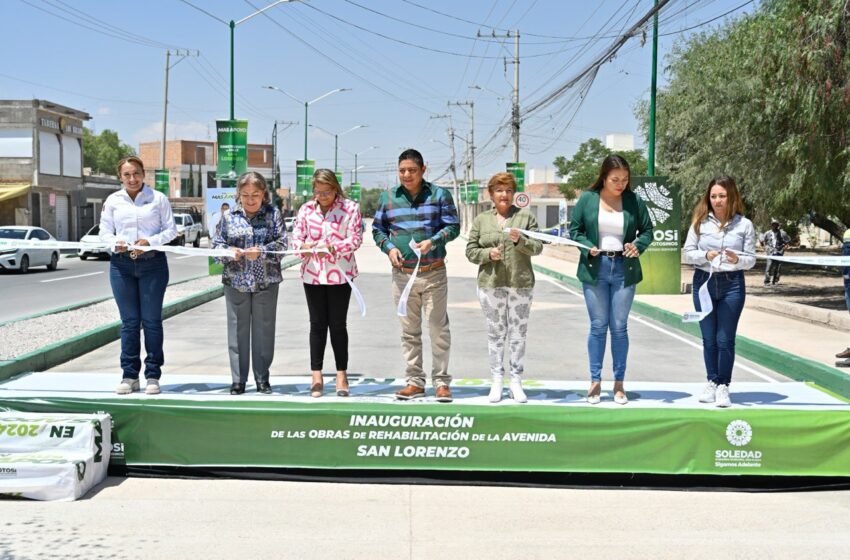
[{"x": 395, "y": 257}]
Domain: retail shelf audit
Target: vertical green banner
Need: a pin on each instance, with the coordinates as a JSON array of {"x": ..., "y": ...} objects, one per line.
[
  {"x": 304, "y": 169},
  {"x": 161, "y": 181},
  {"x": 518, "y": 171},
  {"x": 472, "y": 192},
  {"x": 338, "y": 177},
  {"x": 232, "y": 148},
  {"x": 661, "y": 263},
  {"x": 354, "y": 192}
]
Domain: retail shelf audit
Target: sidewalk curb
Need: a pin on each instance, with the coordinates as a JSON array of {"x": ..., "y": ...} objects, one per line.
[
  {"x": 74, "y": 347},
  {"x": 789, "y": 365},
  {"x": 68, "y": 349}
]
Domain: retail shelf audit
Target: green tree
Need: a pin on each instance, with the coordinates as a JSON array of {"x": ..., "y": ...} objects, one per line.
[
  {"x": 103, "y": 151},
  {"x": 581, "y": 170},
  {"x": 369, "y": 201},
  {"x": 766, "y": 99}
]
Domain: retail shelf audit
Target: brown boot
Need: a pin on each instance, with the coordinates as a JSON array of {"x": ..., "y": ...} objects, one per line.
[
  {"x": 410, "y": 392},
  {"x": 444, "y": 394}
]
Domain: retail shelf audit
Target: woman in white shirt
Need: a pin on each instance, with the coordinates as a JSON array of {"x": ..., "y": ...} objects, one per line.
[
  {"x": 721, "y": 244},
  {"x": 138, "y": 215}
]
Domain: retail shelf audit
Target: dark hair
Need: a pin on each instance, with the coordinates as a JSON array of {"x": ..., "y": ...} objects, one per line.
[
  {"x": 734, "y": 202},
  {"x": 609, "y": 164},
  {"x": 413, "y": 155},
  {"x": 255, "y": 179}
]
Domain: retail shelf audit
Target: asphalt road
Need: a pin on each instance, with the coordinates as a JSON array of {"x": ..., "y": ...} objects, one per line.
[{"x": 73, "y": 282}]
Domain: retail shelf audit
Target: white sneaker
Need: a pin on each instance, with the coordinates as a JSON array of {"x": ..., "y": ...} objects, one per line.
[
  {"x": 515, "y": 389},
  {"x": 127, "y": 386},
  {"x": 708, "y": 392},
  {"x": 152, "y": 388},
  {"x": 496, "y": 390},
  {"x": 721, "y": 397}
]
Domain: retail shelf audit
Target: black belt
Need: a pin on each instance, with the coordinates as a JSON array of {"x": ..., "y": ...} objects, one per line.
[
  {"x": 142, "y": 257},
  {"x": 611, "y": 254}
]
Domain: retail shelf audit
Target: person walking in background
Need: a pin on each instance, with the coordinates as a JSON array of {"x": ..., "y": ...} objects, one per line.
[
  {"x": 844, "y": 355},
  {"x": 774, "y": 242},
  {"x": 720, "y": 244},
  {"x": 329, "y": 221},
  {"x": 253, "y": 229},
  {"x": 138, "y": 215},
  {"x": 505, "y": 280},
  {"x": 614, "y": 221},
  {"x": 422, "y": 213}
]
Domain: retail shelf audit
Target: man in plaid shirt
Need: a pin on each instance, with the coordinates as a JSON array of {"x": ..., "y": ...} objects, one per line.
[{"x": 424, "y": 213}]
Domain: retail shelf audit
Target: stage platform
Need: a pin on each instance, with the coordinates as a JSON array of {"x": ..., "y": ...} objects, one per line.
[{"x": 790, "y": 429}]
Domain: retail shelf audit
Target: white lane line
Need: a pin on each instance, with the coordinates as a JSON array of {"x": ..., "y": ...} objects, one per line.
[
  {"x": 71, "y": 277},
  {"x": 670, "y": 334},
  {"x": 186, "y": 257}
]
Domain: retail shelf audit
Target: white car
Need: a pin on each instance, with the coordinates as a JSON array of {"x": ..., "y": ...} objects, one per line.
[
  {"x": 23, "y": 259},
  {"x": 92, "y": 237},
  {"x": 289, "y": 223}
]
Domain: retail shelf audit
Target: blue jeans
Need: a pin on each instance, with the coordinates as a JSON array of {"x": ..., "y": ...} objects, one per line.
[
  {"x": 139, "y": 288},
  {"x": 608, "y": 305},
  {"x": 727, "y": 293}
]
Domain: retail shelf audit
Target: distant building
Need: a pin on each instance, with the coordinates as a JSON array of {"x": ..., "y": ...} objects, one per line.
[
  {"x": 620, "y": 142},
  {"x": 192, "y": 164},
  {"x": 41, "y": 169}
]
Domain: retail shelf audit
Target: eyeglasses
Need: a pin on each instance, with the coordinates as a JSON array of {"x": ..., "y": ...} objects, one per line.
[
  {"x": 503, "y": 191},
  {"x": 323, "y": 194}
]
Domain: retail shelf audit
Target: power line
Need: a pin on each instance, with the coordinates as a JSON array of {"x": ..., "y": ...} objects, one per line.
[
  {"x": 203, "y": 11},
  {"x": 707, "y": 21}
]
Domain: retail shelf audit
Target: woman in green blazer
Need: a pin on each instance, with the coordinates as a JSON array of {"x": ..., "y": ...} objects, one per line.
[
  {"x": 505, "y": 280},
  {"x": 613, "y": 220}
]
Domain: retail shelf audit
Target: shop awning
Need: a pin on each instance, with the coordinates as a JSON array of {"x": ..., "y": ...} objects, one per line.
[{"x": 12, "y": 190}]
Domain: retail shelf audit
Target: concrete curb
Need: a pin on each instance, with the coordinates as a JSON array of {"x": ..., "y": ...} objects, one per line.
[
  {"x": 839, "y": 320},
  {"x": 64, "y": 350},
  {"x": 789, "y": 365}
]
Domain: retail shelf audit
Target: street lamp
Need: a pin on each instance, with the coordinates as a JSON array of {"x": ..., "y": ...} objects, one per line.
[
  {"x": 336, "y": 136},
  {"x": 499, "y": 96},
  {"x": 232, "y": 26},
  {"x": 356, "y": 154},
  {"x": 306, "y": 106}
]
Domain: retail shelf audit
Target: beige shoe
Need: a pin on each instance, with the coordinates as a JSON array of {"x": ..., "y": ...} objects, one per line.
[
  {"x": 127, "y": 386},
  {"x": 152, "y": 388}
]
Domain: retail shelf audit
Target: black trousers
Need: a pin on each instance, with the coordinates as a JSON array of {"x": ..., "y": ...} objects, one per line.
[{"x": 328, "y": 306}]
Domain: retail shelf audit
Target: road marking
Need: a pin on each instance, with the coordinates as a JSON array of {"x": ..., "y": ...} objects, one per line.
[
  {"x": 71, "y": 277},
  {"x": 671, "y": 334},
  {"x": 185, "y": 257}
]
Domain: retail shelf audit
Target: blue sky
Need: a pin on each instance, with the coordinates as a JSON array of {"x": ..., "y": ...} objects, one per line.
[{"x": 403, "y": 60}]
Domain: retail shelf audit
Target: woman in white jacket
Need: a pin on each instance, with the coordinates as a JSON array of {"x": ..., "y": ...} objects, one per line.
[{"x": 721, "y": 244}]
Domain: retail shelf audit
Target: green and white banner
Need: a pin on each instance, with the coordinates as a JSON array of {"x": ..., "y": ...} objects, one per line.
[
  {"x": 366, "y": 435},
  {"x": 661, "y": 262},
  {"x": 232, "y": 148},
  {"x": 471, "y": 192},
  {"x": 518, "y": 171},
  {"x": 161, "y": 180},
  {"x": 354, "y": 192},
  {"x": 304, "y": 170}
]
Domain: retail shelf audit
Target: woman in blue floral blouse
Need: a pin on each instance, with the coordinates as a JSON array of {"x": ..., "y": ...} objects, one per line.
[{"x": 254, "y": 230}]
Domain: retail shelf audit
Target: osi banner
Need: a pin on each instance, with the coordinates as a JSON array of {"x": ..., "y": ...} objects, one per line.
[
  {"x": 304, "y": 169},
  {"x": 161, "y": 179},
  {"x": 354, "y": 192},
  {"x": 518, "y": 171},
  {"x": 661, "y": 263},
  {"x": 232, "y": 148}
]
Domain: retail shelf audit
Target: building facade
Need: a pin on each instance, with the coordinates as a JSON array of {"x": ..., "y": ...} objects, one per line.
[{"x": 41, "y": 169}]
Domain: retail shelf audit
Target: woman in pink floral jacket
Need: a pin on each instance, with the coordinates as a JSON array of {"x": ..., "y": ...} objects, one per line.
[{"x": 331, "y": 224}]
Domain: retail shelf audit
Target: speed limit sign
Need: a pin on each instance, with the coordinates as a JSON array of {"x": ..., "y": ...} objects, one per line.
[{"x": 521, "y": 200}]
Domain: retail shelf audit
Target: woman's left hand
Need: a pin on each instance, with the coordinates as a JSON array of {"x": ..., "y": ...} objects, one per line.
[
  {"x": 252, "y": 253},
  {"x": 630, "y": 251},
  {"x": 514, "y": 235},
  {"x": 136, "y": 252},
  {"x": 731, "y": 257}
]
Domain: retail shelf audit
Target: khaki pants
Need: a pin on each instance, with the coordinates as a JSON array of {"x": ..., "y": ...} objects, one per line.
[{"x": 428, "y": 296}]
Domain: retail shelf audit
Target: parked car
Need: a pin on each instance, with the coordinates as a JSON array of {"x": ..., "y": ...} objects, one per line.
[
  {"x": 92, "y": 236},
  {"x": 23, "y": 259},
  {"x": 187, "y": 230}
]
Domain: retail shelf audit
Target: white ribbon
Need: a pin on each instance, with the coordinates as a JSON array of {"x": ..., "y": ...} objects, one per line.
[
  {"x": 550, "y": 238},
  {"x": 402, "y": 301},
  {"x": 189, "y": 251}
]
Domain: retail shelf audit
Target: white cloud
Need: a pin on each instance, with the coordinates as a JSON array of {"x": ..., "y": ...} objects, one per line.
[{"x": 192, "y": 130}]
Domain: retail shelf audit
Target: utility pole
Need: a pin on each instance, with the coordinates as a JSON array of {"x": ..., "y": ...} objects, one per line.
[
  {"x": 451, "y": 132},
  {"x": 650, "y": 152},
  {"x": 515, "y": 95},
  {"x": 275, "y": 152},
  {"x": 182, "y": 53},
  {"x": 470, "y": 164}
]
